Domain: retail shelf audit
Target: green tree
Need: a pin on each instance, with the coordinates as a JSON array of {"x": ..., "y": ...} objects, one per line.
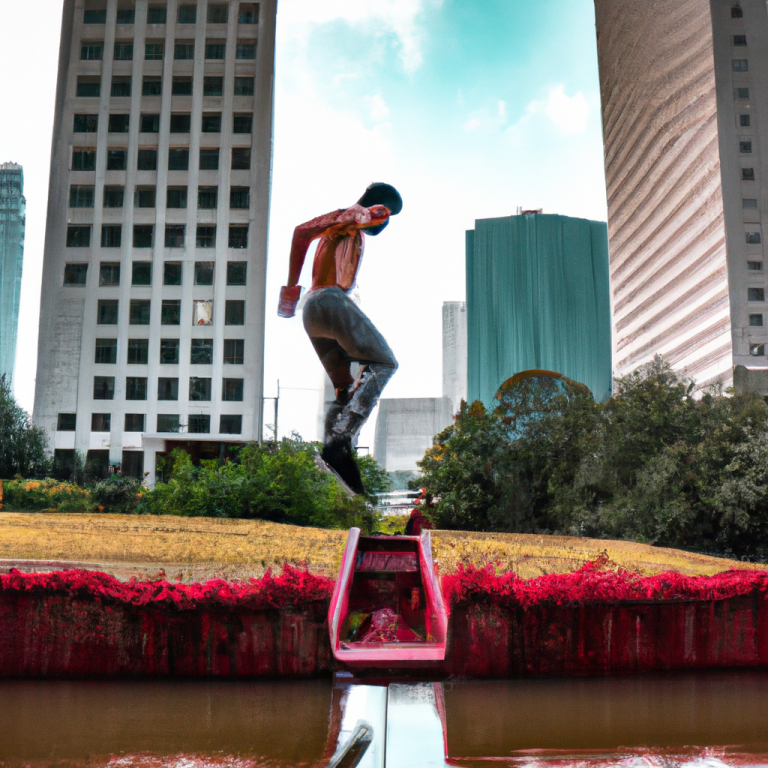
[
  {"x": 22, "y": 445},
  {"x": 374, "y": 476}
]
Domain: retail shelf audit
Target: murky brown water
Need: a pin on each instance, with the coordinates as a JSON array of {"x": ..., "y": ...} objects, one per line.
[{"x": 654, "y": 720}]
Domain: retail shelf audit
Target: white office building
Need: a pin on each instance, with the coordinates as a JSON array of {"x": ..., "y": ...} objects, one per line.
[{"x": 153, "y": 300}]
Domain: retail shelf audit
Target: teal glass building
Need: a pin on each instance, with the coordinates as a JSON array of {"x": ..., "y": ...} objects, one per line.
[
  {"x": 537, "y": 298},
  {"x": 12, "y": 221}
]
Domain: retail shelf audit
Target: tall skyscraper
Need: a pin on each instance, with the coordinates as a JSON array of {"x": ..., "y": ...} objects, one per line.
[
  {"x": 12, "y": 221},
  {"x": 537, "y": 298},
  {"x": 685, "y": 112},
  {"x": 152, "y": 313}
]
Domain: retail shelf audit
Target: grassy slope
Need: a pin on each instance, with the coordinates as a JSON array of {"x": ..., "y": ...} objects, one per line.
[{"x": 201, "y": 548}]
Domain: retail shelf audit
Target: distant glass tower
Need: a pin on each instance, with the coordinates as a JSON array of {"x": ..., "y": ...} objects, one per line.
[{"x": 12, "y": 220}]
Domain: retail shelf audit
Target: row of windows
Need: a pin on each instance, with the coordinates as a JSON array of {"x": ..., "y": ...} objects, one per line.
[
  {"x": 88, "y": 87},
  {"x": 84, "y": 159},
  {"x": 200, "y": 351},
  {"x": 229, "y": 424},
  {"x": 82, "y": 196},
  {"x": 218, "y": 13},
  {"x": 181, "y": 122},
  {"x": 79, "y": 236},
  {"x": 93, "y": 50},
  {"x": 167, "y": 388},
  {"x": 107, "y": 311},
  {"x": 141, "y": 273}
]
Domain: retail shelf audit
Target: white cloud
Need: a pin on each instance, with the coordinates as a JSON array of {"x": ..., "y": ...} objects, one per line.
[
  {"x": 568, "y": 115},
  {"x": 503, "y": 111},
  {"x": 472, "y": 124},
  {"x": 379, "y": 110}
]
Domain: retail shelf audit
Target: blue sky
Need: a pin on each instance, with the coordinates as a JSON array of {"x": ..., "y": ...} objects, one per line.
[{"x": 469, "y": 107}]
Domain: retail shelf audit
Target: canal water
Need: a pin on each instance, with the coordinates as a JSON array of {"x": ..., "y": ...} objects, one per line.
[{"x": 704, "y": 721}]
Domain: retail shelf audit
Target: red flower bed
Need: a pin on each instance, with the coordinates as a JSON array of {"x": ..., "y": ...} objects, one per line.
[{"x": 292, "y": 587}]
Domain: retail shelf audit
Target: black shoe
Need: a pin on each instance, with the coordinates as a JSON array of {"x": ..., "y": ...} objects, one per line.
[{"x": 339, "y": 456}]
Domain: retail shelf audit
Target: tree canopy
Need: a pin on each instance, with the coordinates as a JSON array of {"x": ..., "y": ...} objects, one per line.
[{"x": 22, "y": 445}]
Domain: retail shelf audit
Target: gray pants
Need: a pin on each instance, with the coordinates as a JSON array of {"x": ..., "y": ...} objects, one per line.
[{"x": 341, "y": 335}]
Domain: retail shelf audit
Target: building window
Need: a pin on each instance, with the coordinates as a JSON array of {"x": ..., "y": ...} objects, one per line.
[
  {"x": 755, "y": 321},
  {"x": 240, "y": 198},
  {"x": 172, "y": 273},
  {"x": 180, "y": 122},
  {"x": 113, "y": 197},
  {"x": 244, "y": 86},
  {"x": 111, "y": 235},
  {"x": 199, "y": 389},
  {"x": 67, "y": 422},
  {"x": 86, "y": 124},
  {"x": 83, "y": 159},
  {"x": 212, "y": 123},
  {"x": 199, "y": 424},
  {"x": 747, "y": 174},
  {"x": 744, "y": 121},
  {"x": 241, "y": 158},
  {"x": 109, "y": 273},
  {"x": 232, "y": 390},
  {"x": 182, "y": 86},
  {"x": 95, "y": 16},
  {"x": 248, "y": 13},
  {"x": 184, "y": 51},
  {"x": 204, "y": 272},
  {"x": 742, "y": 93},
  {"x": 154, "y": 51},
  {"x": 737, "y": 12},
  {"x": 231, "y": 424},
  {"x": 234, "y": 312},
  {"x": 740, "y": 65},
  {"x": 116, "y": 159},
  {"x": 150, "y": 123},
  {"x": 209, "y": 159},
  {"x": 126, "y": 16},
  {"x": 178, "y": 159},
  {"x": 201, "y": 352},
  {"x": 234, "y": 351},
  {"x": 217, "y": 14},
  {"x": 134, "y": 422},
  {"x": 238, "y": 237},
  {"x": 206, "y": 237},
  {"x": 78, "y": 237},
  {"x": 147, "y": 160},
  {"x": 749, "y": 202},
  {"x": 81, "y": 196},
  {"x": 756, "y": 294},
  {"x": 187, "y": 14},
  {"x": 215, "y": 50},
  {"x": 207, "y": 198},
  {"x": 152, "y": 86},
  {"x": 174, "y": 235},
  {"x": 745, "y": 147},
  {"x": 141, "y": 273},
  {"x": 136, "y": 388},
  {"x": 169, "y": 351},
  {"x": 167, "y": 389},
  {"x": 87, "y": 88},
  {"x": 739, "y": 40},
  {"x": 176, "y": 197},
  {"x": 213, "y": 86},
  {"x": 202, "y": 312},
  {"x": 757, "y": 350},
  {"x": 138, "y": 352},
  {"x": 139, "y": 313},
  {"x": 103, "y": 387},
  {"x": 118, "y": 123},
  {"x": 101, "y": 422},
  {"x": 167, "y": 422},
  {"x": 245, "y": 51},
  {"x": 236, "y": 272},
  {"x": 144, "y": 197},
  {"x": 143, "y": 235},
  {"x": 75, "y": 274},
  {"x": 123, "y": 51},
  {"x": 170, "y": 312},
  {"x": 156, "y": 14},
  {"x": 106, "y": 352},
  {"x": 755, "y": 266},
  {"x": 242, "y": 123},
  {"x": 92, "y": 51},
  {"x": 753, "y": 238},
  {"x": 106, "y": 312}
]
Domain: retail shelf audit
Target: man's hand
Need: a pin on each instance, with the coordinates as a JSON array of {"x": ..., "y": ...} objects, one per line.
[
  {"x": 289, "y": 298},
  {"x": 355, "y": 215}
]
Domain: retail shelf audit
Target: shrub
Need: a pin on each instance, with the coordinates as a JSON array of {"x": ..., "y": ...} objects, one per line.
[
  {"x": 117, "y": 494},
  {"x": 47, "y": 494}
]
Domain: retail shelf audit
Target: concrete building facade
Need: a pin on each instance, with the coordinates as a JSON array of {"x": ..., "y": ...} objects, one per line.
[
  {"x": 685, "y": 112},
  {"x": 455, "y": 352},
  {"x": 153, "y": 293},
  {"x": 12, "y": 224}
]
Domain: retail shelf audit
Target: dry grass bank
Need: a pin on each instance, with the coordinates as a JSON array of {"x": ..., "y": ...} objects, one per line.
[{"x": 201, "y": 548}]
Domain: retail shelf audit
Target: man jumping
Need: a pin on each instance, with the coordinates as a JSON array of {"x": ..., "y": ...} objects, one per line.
[{"x": 339, "y": 331}]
